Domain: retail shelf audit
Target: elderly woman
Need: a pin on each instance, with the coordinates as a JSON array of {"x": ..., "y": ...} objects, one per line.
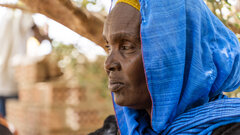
[{"x": 168, "y": 64}]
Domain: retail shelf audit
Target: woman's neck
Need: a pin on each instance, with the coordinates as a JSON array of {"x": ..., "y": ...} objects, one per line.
[{"x": 149, "y": 111}]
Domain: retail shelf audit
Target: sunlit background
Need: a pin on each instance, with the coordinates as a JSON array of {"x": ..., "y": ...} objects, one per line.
[
  {"x": 60, "y": 33},
  {"x": 55, "y": 77}
]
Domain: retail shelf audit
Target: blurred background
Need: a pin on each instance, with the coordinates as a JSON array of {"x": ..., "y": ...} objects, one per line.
[{"x": 52, "y": 80}]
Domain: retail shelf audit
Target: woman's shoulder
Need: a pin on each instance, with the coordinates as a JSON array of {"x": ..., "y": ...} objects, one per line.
[{"x": 230, "y": 129}]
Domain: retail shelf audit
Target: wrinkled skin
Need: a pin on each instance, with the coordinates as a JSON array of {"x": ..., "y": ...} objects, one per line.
[{"x": 124, "y": 64}]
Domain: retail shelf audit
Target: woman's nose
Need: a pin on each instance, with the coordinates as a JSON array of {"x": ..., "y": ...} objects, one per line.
[{"x": 112, "y": 63}]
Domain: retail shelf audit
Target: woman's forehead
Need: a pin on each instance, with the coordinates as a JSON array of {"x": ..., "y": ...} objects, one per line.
[
  {"x": 123, "y": 10},
  {"x": 123, "y": 19}
]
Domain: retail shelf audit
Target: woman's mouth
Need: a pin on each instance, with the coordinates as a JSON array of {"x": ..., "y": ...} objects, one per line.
[{"x": 115, "y": 86}]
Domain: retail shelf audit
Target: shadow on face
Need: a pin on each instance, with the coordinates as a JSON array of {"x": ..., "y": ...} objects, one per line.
[{"x": 124, "y": 64}]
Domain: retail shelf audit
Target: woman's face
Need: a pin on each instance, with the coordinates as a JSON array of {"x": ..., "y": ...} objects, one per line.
[{"x": 124, "y": 64}]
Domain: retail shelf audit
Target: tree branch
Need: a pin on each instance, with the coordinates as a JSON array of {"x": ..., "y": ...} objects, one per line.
[
  {"x": 13, "y": 6},
  {"x": 80, "y": 20}
]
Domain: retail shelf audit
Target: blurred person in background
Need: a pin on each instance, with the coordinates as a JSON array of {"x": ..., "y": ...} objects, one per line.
[
  {"x": 15, "y": 29},
  {"x": 169, "y": 63}
]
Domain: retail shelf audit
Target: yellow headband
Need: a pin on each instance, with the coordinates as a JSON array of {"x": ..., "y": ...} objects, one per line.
[{"x": 134, "y": 3}]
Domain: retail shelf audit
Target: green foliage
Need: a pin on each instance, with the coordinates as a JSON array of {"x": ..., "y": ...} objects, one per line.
[
  {"x": 86, "y": 3},
  {"x": 235, "y": 93},
  {"x": 79, "y": 71},
  {"x": 226, "y": 12}
]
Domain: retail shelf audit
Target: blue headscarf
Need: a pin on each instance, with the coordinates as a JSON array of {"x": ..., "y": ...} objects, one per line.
[{"x": 190, "y": 58}]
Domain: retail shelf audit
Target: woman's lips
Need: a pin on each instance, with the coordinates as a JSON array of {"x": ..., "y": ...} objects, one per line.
[{"x": 115, "y": 86}]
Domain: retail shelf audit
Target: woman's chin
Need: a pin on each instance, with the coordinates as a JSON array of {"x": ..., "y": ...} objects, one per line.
[
  {"x": 125, "y": 103},
  {"x": 119, "y": 101}
]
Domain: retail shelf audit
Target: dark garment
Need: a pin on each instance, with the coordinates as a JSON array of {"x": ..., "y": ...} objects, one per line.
[
  {"x": 4, "y": 130},
  {"x": 230, "y": 129},
  {"x": 109, "y": 127}
]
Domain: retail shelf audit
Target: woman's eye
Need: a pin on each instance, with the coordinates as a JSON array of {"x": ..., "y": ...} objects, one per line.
[
  {"x": 125, "y": 47},
  {"x": 108, "y": 48}
]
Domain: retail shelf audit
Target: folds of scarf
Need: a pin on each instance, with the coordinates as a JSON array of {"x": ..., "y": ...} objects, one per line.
[
  {"x": 190, "y": 57},
  {"x": 201, "y": 120}
]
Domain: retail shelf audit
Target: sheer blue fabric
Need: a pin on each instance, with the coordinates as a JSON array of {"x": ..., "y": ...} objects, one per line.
[{"x": 190, "y": 58}]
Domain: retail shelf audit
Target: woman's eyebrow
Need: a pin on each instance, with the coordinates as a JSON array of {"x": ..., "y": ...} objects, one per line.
[{"x": 124, "y": 35}]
